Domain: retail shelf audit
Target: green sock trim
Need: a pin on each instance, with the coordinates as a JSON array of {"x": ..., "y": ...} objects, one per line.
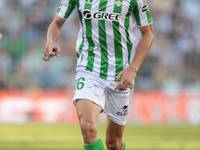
[
  {"x": 123, "y": 147},
  {"x": 97, "y": 145}
]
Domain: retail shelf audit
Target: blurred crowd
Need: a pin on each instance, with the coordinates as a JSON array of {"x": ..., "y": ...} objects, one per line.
[{"x": 173, "y": 62}]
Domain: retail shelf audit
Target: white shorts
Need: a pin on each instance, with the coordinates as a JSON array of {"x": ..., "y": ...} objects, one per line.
[{"x": 116, "y": 104}]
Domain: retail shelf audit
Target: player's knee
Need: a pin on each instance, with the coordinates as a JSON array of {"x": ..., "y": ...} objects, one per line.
[{"x": 88, "y": 129}]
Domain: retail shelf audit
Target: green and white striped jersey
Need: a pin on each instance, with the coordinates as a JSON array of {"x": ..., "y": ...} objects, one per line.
[{"x": 108, "y": 33}]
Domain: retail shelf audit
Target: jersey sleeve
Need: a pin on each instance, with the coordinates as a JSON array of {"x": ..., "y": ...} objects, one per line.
[
  {"x": 142, "y": 13},
  {"x": 65, "y": 8}
]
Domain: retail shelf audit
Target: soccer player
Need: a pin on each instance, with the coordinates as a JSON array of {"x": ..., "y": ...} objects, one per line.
[{"x": 109, "y": 54}]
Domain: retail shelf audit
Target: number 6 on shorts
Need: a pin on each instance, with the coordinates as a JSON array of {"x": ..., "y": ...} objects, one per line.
[{"x": 80, "y": 83}]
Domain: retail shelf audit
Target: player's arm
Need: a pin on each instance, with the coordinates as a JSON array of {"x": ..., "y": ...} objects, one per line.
[
  {"x": 143, "y": 47},
  {"x": 141, "y": 52},
  {"x": 53, "y": 35}
]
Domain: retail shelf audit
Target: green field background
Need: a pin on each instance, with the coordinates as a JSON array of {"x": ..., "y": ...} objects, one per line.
[{"x": 68, "y": 137}]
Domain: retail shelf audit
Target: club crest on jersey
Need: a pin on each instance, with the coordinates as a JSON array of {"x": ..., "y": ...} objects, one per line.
[
  {"x": 144, "y": 2},
  {"x": 118, "y": 2},
  {"x": 61, "y": 3}
]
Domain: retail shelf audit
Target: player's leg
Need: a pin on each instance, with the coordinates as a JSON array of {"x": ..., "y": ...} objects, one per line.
[
  {"x": 89, "y": 100},
  {"x": 117, "y": 106},
  {"x": 88, "y": 113},
  {"x": 114, "y": 135}
]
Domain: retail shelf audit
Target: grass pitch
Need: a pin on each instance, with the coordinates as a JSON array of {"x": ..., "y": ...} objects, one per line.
[{"x": 68, "y": 137}]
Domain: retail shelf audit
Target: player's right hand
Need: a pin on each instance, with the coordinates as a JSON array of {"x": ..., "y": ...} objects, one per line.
[{"x": 51, "y": 51}]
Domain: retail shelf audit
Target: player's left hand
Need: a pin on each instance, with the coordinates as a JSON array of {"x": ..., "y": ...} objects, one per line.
[{"x": 127, "y": 80}]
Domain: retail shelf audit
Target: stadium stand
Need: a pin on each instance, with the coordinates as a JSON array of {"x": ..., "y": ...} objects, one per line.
[{"x": 172, "y": 63}]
